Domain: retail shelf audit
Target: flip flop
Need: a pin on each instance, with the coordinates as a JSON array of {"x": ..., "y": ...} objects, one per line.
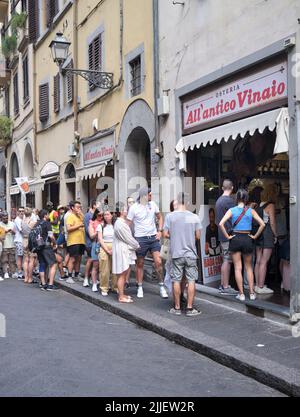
[{"x": 126, "y": 300}]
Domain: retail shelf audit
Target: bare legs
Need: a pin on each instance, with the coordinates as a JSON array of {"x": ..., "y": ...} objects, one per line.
[
  {"x": 225, "y": 273},
  {"x": 237, "y": 262},
  {"x": 262, "y": 258}
]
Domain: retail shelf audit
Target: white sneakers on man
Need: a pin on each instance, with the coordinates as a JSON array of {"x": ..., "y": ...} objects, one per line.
[
  {"x": 6, "y": 275},
  {"x": 95, "y": 288},
  {"x": 86, "y": 282},
  {"x": 70, "y": 281},
  {"x": 163, "y": 292},
  {"x": 264, "y": 290},
  {"x": 1, "y": 279},
  {"x": 140, "y": 292}
]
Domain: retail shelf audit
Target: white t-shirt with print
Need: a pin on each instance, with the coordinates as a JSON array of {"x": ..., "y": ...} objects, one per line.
[{"x": 143, "y": 218}]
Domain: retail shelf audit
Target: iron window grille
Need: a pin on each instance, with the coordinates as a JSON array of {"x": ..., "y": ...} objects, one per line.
[{"x": 136, "y": 76}]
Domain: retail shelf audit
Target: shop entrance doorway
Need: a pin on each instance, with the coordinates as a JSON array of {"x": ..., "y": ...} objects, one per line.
[{"x": 251, "y": 164}]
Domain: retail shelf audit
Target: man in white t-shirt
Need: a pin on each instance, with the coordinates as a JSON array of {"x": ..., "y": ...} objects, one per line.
[
  {"x": 19, "y": 242},
  {"x": 143, "y": 215}
]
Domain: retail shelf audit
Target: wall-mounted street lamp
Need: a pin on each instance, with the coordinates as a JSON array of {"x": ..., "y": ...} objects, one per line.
[{"x": 60, "y": 50}]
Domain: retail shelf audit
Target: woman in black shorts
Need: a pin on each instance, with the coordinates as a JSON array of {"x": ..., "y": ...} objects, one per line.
[{"x": 241, "y": 240}]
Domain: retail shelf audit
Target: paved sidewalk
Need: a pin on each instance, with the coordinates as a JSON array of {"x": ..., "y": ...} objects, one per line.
[{"x": 256, "y": 347}]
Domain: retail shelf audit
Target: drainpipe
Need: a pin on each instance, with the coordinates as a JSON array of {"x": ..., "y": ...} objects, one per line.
[
  {"x": 117, "y": 171},
  {"x": 34, "y": 104},
  {"x": 121, "y": 40},
  {"x": 158, "y": 149},
  {"x": 75, "y": 59}
]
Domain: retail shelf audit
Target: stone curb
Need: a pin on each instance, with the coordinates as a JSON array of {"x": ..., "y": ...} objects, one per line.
[{"x": 229, "y": 356}]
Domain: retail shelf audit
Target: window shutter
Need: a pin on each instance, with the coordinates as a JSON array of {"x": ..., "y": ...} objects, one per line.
[
  {"x": 51, "y": 11},
  {"x": 56, "y": 93},
  {"x": 16, "y": 94},
  {"x": 33, "y": 20},
  {"x": 44, "y": 102},
  {"x": 25, "y": 80},
  {"x": 70, "y": 84},
  {"x": 95, "y": 56}
]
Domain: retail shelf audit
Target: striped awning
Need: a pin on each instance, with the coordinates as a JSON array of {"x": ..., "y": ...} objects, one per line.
[{"x": 91, "y": 172}]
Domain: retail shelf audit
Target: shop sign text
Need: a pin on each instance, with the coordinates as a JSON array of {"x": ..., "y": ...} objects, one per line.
[{"x": 259, "y": 89}]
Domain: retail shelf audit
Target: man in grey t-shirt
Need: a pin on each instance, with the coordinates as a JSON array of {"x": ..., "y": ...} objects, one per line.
[{"x": 183, "y": 229}]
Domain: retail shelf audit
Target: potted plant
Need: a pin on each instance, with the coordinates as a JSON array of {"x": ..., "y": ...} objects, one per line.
[
  {"x": 9, "y": 45},
  {"x": 18, "y": 21},
  {"x": 5, "y": 131}
]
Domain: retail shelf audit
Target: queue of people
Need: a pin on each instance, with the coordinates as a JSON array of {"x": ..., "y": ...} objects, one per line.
[{"x": 36, "y": 246}]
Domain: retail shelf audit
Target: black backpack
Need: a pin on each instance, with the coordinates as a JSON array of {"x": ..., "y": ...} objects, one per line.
[
  {"x": 36, "y": 242},
  {"x": 255, "y": 225}
]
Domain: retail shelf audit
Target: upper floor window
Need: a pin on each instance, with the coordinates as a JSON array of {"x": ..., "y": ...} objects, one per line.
[
  {"x": 16, "y": 94},
  {"x": 135, "y": 76},
  {"x": 24, "y": 6},
  {"x": 52, "y": 8},
  {"x": 25, "y": 80},
  {"x": 95, "y": 57},
  {"x": 33, "y": 20},
  {"x": 44, "y": 102}
]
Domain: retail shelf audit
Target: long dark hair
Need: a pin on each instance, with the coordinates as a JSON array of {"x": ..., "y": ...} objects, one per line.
[
  {"x": 95, "y": 215},
  {"x": 242, "y": 196}
]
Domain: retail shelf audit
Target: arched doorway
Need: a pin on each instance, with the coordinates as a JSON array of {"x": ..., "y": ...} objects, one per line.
[
  {"x": 137, "y": 162},
  {"x": 14, "y": 173},
  {"x": 3, "y": 188},
  {"x": 137, "y": 159},
  {"x": 28, "y": 168},
  {"x": 28, "y": 162},
  {"x": 70, "y": 179}
]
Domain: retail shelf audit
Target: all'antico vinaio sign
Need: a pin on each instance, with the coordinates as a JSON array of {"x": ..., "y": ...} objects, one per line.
[
  {"x": 259, "y": 89},
  {"x": 99, "y": 150}
]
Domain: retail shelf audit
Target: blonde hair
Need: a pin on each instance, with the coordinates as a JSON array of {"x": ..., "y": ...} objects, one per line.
[
  {"x": 28, "y": 212},
  {"x": 269, "y": 193}
]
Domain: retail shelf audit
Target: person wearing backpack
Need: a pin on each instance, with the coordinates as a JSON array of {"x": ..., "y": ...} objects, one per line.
[
  {"x": 46, "y": 255},
  {"x": 241, "y": 240},
  {"x": 266, "y": 244}
]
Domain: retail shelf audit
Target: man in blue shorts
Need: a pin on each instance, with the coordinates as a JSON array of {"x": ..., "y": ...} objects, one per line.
[{"x": 143, "y": 215}]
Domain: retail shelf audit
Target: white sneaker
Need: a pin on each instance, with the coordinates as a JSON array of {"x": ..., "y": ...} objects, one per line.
[
  {"x": 1, "y": 279},
  {"x": 163, "y": 292},
  {"x": 95, "y": 288},
  {"x": 104, "y": 293},
  {"x": 140, "y": 292},
  {"x": 70, "y": 281},
  {"x": 6, "y": 275},
  {"x": 86, "y": 282},
  {"x": 264, "y": 290},
  {"x": 15, "y": 275},
  {"x": 252, "y": 297},
  {"x": 240, "y": 297}
]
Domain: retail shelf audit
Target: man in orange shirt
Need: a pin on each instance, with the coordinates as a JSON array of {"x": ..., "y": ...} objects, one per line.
[{"x": 75, "y": 239}]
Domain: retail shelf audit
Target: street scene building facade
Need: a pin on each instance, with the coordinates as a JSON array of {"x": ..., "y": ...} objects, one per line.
[{"x": 208, "y": 93}]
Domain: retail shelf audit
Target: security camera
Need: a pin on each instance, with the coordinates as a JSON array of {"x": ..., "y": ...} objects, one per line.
[{"x": 77, "y": 135}]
